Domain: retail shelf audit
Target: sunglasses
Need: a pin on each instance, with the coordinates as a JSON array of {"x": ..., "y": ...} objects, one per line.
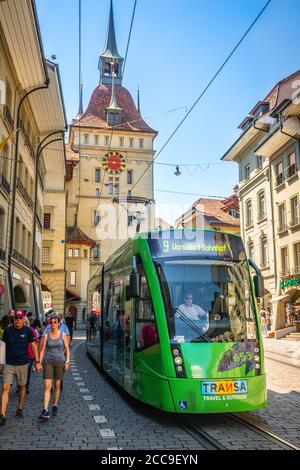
[
  {"x": 54, "y": 321},
  {"x": 18, "y": 318}
]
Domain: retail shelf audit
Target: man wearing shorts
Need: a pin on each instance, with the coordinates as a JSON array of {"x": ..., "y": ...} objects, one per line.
[{"x": 16, "y": 339}]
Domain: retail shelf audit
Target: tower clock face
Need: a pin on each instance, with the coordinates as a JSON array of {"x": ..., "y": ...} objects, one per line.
[{"x": 114, "y": 163}]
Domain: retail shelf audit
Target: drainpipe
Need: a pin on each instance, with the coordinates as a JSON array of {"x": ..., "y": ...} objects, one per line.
[
  {"x": 40, "y": 149},
  {"x": 285, "y": 133},
  {"x": 13, "y": 206}
]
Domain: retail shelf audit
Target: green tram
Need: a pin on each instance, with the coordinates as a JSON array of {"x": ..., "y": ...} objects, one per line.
[{"x": 179, "y": 328}]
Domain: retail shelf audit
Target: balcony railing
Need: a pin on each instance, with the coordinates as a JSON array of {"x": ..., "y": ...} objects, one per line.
[
  {"x": 27, "y": 140},
  {"x": 295, "y": 221},
  {"x": 17, "y": 256},
  {"x": 37, "y": 270},
  {"x": 279, "y": 179},
  {"x": 25, "y": 194},
  {"x": 8, "y": 117},
  {"x": 261, "y": 216},
  {"x": 5, "y": 184},
  {"x": 282, "y": 227},
  {"x": 291, "y": 170},
  {"x": 2, "y": 255}
]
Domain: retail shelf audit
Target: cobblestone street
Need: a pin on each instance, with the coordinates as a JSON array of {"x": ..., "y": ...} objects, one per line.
[{"x": 95, "y": 414}]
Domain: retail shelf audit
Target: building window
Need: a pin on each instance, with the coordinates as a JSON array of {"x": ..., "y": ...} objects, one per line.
[
  {"x": 110, "y": 189},
  {"x": 85, "y": 253},
  {"x": 131, "y": 218},
  {"x": 295, "y": 213},
  {"x": 106, "y": 140},
  {"x": 251, "y": 250},
  {"x": 96, "y": 252},
  {"x": 96, "y": 140},
  {"x": 247, "y": 172},
  {"x": 86, "y": 139},
  {"x": 292, "y": 170},
  {"x": 76, "y": 253},
  {"x": 129, "y": 194},
  {"x": 73, "y": 278},
  {"x": 279, "y": 173},
  {"x": 264, "y": 252},
  {"x": 121, "y": 141},
  {"x": 234, "y": 213},
  {"x": 282, "y": 218},
  {"x": 46, "y": 255},
  {"x": 97, "y": 218},
  {"x": 249, "y": 218},
  {"x": 70, "y": 252},
  {"x": 97, "y": 175},
  {"x": 129, "y": 177},
  {"x": 284, "y": 261},
  {"x": 259, "y": 162},
  {"x": 131, "y": 142},
  {"x": 261, "y": 205},
  {"x": 97, "y": 192},
  {"x": 117, "y": 189},
  {"x": 297, "y": 258},
  {"x": 47, "y": 221},
  {"x": 141, "y": 143}
]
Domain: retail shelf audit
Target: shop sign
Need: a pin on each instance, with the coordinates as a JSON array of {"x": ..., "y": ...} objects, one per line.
[
  {"x": 16, "y": 276},
  {"x": 2, "y": 289},
  {"x": 27, "y": 281},
  {"x": 290, "y": 283}
]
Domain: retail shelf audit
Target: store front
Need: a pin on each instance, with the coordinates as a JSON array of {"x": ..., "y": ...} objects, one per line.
[{"x": 4, "y": 293}]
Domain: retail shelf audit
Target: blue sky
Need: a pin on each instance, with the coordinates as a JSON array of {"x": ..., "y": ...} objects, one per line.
[{"x": 176, "y": 47}]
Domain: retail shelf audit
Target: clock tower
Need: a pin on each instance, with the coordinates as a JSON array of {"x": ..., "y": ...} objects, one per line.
[{"x": 110, "y": 147}]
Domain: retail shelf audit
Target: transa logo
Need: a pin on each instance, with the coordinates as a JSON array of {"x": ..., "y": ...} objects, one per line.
[{"x": 226, "y": 387}]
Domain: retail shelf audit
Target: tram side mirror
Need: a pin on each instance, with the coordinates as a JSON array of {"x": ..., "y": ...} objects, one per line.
[
  {"x": 259, "y": 286},
  {"x": 134, "y": 286}
]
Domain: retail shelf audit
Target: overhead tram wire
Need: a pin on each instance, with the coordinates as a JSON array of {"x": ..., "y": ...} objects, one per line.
[
  {"x": 202, "y": 94},
  {"x": 206, "y": 89}
]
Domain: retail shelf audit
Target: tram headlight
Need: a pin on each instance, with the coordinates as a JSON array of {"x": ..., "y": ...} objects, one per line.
[
  {"x": 179, "y": 368},
  {"x": 256, "y": 350},
  {"x": 176, "y": 352},
  {"x": 257, "y": 366},
  {"x": 178, "y": 360},
  {"x": 256, "y": 358}
]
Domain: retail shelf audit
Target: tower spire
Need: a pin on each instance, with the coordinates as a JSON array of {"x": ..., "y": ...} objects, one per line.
[
  {"x": 138, "y": 99},
  {"x": 80, "y": 109},
  {"x": 110, "y": 59}
]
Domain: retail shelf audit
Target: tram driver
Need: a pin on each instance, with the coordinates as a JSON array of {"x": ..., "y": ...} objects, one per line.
[{"x": 193, "y": 311}]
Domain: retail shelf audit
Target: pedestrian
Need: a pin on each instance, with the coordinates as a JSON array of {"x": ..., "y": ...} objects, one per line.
[
  {"x": 16, "y": 339},
  {"x": 30, "y": 356},
  {"x": 56, "y": 354},
  {"x": 70, "y": 322},
  {"x": 2, "y": 356},
  {"x": 268, "y": 319},
  {"x": 4, "y": 323}
]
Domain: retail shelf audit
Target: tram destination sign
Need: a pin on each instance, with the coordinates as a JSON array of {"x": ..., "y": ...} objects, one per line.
[{"x": 198, "y": 244}]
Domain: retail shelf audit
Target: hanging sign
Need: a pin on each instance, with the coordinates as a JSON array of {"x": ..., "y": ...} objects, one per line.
[{"x": 114, "y": 163}]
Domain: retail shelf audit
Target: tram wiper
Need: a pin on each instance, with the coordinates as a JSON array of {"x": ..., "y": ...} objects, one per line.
[{"x": 192, "y": 325}]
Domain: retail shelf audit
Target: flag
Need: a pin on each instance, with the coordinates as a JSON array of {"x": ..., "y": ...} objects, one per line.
[{"x": 4, "y": 141}]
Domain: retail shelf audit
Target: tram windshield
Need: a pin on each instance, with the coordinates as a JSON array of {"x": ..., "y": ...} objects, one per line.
[{"x": 207, "y": 301}]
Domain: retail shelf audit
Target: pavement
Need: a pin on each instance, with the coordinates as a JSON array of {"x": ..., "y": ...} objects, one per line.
[{"x": 95, "y": 414}]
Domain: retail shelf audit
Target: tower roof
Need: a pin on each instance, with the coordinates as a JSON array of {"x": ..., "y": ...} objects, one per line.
[
  {"x": 95, "y": 115},
  {"x": 110, "y": 47}
]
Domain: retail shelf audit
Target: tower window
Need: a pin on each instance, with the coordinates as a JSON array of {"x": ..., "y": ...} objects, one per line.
[
  {"x": 86, "y": 139},
  {"x": 121, "y": 141},
  {"x": 131, "y": 142},
  {"x": 96, "y": 140},
  {"x": 106, "y": 140},
  {"x": 141, "y": 143},
  {"x": 129, "y": 177},
  {"x": 97, "y": 175}
]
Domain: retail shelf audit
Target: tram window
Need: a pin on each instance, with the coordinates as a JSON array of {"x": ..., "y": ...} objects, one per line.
[{"x": 146, "y": 328}]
